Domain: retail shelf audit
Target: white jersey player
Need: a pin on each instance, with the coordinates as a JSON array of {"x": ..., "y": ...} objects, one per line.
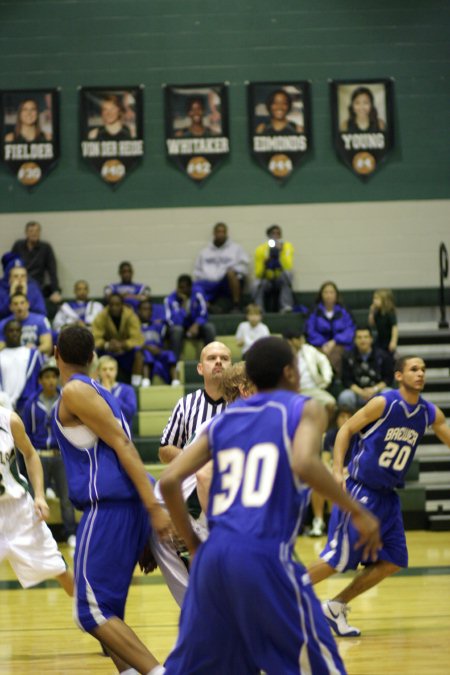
[{"x": 25, "y": 540}]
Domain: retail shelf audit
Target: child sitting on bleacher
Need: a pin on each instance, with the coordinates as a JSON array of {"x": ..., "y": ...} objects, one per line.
[
  {"x": 155, "y": 359},
  {"x": 251, "y": 330}
]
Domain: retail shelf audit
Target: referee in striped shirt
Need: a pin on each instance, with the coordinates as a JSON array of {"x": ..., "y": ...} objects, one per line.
[{"x": 199, "y": 406}]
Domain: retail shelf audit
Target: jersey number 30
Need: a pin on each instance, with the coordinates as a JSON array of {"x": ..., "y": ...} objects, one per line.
[
  {"x": 395, "y": 456},
  {"x": 254, "y": 472}
]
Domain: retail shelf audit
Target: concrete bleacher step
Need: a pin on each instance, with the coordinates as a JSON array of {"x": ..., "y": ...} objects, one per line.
[
  {"x": 159, "y": 397},
  {"x": 226, "y": 324},
  {"x": 438, "y": 522},
  {"x": 147, "y": 447},
  {"x": 421, "y": 335},
  {"x": 413, "y": 501},
  {"x": 152, "y": 422}
]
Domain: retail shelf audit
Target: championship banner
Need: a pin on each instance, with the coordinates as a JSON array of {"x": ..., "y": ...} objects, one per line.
[
  {"x": 197, "y": 137},
  {"x": 30, "y": 133},
  {"x": 279, "y": 119},
  {"x": 112, "y": 130},
  {"x": 362, "y": 118}
]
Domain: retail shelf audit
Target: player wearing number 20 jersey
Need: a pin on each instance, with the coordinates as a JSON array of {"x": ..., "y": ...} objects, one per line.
[
  {"x": 381, "y": 455},
  {"x": 383, "y": 451}
]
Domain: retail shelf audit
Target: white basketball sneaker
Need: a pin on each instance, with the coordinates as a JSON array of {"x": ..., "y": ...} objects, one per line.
[{"x": 336, "y": 615}]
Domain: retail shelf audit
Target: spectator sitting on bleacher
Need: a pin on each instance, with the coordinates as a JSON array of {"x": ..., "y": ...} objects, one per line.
[
  {"x": 132, "y": 292},
  {"x": 221, "y": 268},
  {"x": 366, "y": 372},
  {"x": 39, "y": 260},
  {"x": 38, "y": 420},
  {"x": 36, "y": 330},
  {"x": 15, "y": 279},
  {"x": 19, "y": 367},
  {"x": 186, "y": 314},
  {"x": 117, "y": 332},
  {"x": 329, "y": 326},
  {"x": 383, "y": 317},
  {"x": 151, "y": 358},
  {"x": 316, "y": 373},
  {"x": 107, "y": 370},
  {"x": 274, "y": 262},
  {"x": 81, "y": 310},
  {"x": 251, "y": 330}
]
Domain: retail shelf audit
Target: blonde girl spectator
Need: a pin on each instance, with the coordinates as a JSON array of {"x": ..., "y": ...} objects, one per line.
[{"x": 383, "y": 318}]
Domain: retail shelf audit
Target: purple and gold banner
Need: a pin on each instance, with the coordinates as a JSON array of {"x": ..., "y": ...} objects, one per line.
[
  {"x": 112, "y": 130},
  {"x": 280, "y": 129},
  {"x": 30, "y": 133},
  {"x": 197, "y": 137},
  {"x": 363, "y": 126}
]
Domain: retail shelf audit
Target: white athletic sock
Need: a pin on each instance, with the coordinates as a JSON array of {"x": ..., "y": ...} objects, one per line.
[
  {"x": 136, "y": 380},
  {"x": 129, "y": 671},
  {"x": 157, "y": 670}
]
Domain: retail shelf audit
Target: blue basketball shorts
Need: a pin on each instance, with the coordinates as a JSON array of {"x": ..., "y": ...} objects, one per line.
[
  {"x": 250, "y": 607},
  {"x": 110, "y": 539},
  {"x": 340, "y": 552}
]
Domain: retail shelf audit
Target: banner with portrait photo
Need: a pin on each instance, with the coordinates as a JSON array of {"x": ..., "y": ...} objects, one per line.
[
  {"x": 363, "y": 125},
  {"x": 197, "y": 136},
  {"x": 279, "y": 122},
  {"x": 30, "y": 133},
  {"x": 112, "y": 130}
]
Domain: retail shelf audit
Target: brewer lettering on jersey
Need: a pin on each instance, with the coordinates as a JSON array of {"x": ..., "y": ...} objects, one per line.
[
  {"x": 405, "y": 434},
  {"x": 279, "y": 127}
]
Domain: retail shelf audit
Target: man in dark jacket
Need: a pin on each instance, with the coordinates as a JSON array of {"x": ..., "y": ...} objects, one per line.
[{"x": 365, "y": 371}]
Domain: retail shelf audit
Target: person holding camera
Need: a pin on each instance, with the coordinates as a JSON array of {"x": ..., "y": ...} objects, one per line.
[{"x": 274, "y": 261}]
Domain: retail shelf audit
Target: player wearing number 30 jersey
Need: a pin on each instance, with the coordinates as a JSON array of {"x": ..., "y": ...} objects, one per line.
[
  {"x": 249, "y": 606},
  {"x": 384, "y": 436}
]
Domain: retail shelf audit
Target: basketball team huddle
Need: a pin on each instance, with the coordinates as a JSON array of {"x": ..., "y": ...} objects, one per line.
[{"x": 248, "y": 446}]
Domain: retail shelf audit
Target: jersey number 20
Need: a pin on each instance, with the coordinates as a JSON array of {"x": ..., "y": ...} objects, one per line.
[
  {"x": 395, "y": 456},
  {"x": 254, "y": 472}
]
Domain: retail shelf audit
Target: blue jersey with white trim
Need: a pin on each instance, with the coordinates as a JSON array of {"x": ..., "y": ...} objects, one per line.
[
  {"x": 383, "y": 450},
  {"x": 254, "y": 492},
  {"x": 93, "y": 470}
]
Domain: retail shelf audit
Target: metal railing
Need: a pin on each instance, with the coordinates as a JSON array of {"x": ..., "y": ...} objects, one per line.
[{"x": 443, "y": 274}]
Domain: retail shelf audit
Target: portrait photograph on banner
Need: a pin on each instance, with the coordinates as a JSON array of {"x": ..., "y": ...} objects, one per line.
[
  {"x": 362, "y": 119},
  {"x": 30, "y": 133},
  {"x": 279, "y": 125},
  {"x": 197, "y": 136},
  {"x": 112, "y": 130}
]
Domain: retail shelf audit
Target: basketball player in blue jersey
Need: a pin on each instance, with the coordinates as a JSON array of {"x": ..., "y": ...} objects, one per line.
[
  {"x": 384, "y": 436},
  {"x": 108, "y": 482},
  {"x": 249, "y": 606}
]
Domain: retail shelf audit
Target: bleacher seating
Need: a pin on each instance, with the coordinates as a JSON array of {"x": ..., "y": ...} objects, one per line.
[{"x": 156, "y": 402}]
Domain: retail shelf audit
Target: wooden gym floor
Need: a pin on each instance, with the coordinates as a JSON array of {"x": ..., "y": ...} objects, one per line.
[{"x": 405, "y": 621}]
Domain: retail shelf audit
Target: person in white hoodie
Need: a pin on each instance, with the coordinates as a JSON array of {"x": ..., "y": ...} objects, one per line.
[
  {"x": 221, "y": 268},
  {"x": 316, "y": 375},
  {"x": 316, "y": 372}
]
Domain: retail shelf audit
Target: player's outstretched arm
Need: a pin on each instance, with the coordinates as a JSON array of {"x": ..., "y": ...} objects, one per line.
[
  {"x": 187, "y": 463},
  {"x": 371, "y": 412},
  {"x": 309, "y": 467},
  {"x": 441, "y": 428},
  {"x": 33, "y": 464},
  {"x": 83, "y": 403}
]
